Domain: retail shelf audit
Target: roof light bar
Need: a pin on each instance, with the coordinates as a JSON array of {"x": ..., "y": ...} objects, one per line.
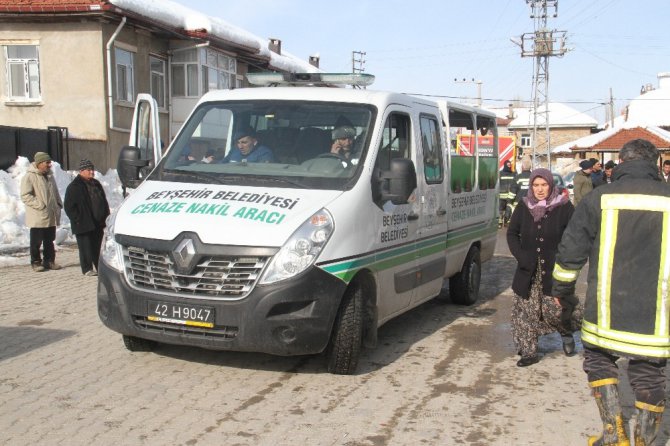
[{"x": 270, "y": 79}]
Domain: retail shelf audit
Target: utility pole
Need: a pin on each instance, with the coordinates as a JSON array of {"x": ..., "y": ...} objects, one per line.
[
  {"x": 479, "y": 88},
  {"x": 611, "y": 109},
  {"x": 542, "y": 44},
  {"x": 357, "y": 62}
]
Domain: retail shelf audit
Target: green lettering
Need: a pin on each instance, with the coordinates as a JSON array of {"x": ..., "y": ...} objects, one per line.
[{"x": 261, "y": 216}]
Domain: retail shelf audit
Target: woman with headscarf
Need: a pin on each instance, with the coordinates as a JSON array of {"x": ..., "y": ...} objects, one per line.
[{"x": 533, "y": 235}]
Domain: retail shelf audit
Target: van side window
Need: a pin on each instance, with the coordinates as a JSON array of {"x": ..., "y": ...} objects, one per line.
[
  {"x": 487, "y": 152},
  {"x": 395, "y": 142},
  {"x": 432, "y": 149},
  {"x": 462, "y": 151}
]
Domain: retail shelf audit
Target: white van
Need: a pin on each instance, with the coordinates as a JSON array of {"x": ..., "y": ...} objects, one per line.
[{"x": 303, "y": 250}]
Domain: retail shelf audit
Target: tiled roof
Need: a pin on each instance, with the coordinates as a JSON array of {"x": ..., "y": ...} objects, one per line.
[
  {"x": 616, "y": 141},
  {"x": 171, "y": 16},
  {"x": 47, "y": 6},
  {"x": 611, "y": 140}
]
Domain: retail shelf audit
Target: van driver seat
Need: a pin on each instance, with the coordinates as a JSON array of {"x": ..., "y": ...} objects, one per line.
[{"x": 312, "y": 142}]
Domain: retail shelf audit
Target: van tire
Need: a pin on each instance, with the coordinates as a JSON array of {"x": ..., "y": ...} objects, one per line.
[
  {"x": 345, "y": 344},
  {"x": 464, "y": 286},
  {"x": 135, "y": 344}
]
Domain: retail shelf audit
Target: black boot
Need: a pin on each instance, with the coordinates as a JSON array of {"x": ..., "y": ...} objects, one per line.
[
  {"x": 525, "y": 361},
  {"x": 606, "y": 393},
  {"x": 569, "y": 347},
  {"x": 647, "y": 422}
]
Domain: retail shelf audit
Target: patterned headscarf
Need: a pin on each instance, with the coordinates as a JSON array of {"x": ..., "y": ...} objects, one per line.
[{"x": 538, "y": 208}]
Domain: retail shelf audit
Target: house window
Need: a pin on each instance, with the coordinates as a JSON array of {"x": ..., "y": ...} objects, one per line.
[
  {"x": 184, "y": 70},
  {"x": 125, "y": 77},
  {"x": 158, "y": 80},
  {"x": 526, "y": 140},
  {"x": 23, "y": 70},
  {"x": 219, "y": 71}
]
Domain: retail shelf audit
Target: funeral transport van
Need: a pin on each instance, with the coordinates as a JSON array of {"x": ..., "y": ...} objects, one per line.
[{"x": 302, "y": 250}]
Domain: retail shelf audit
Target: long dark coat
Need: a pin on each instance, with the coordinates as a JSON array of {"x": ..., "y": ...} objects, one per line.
[
  {"x": 78, "y": 206},
  {"x": 529, "y": 241}
]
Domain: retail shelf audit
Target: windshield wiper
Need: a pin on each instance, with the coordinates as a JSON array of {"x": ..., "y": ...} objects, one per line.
[
  {"x": 282, "y": 180},
  {"x": 199, "y": 175}
]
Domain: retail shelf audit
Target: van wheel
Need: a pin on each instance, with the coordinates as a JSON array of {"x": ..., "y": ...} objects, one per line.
[
  {"x": 344, "y": 347},
  {"x": 138, "y": 344},
  {"x": 464, "y": 286}
]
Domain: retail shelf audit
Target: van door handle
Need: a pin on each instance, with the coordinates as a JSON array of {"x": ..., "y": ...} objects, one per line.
[
  {"x": 441, "y": 212},
  {"x": 412, "y": 216}
]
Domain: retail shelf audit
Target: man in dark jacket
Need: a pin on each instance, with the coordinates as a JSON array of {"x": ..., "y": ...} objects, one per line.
[
  {"x": 86, "y": 206},
  {"x": 582, "y": 183},
  {"x": 622, "y": 231}
]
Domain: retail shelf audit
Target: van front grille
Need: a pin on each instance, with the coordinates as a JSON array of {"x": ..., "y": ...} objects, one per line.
[{"x": 212, "y": 277}]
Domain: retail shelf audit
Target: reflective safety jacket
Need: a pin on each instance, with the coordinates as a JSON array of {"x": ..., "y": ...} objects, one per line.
[
  {"x": 623, "y": 230},
  {"x": 507, "y": 179},
  {"x": 520, "y": 186}
]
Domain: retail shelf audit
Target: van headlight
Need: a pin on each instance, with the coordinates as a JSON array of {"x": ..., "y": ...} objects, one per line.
[
  {"x": 111, "y": 251},
  {"x": 301, "y": 249}
]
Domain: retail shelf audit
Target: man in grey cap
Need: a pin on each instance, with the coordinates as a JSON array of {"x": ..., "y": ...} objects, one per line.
[
  {"x": 343, "y": 141},
  {"x": 43, "y": 204}
]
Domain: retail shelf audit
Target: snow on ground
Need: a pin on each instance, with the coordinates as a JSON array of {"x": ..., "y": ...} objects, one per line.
[{"x": 14, "y": 234}]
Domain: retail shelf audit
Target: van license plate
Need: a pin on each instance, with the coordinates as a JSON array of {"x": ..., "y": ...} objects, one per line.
[{"x": 193, "y": 315}]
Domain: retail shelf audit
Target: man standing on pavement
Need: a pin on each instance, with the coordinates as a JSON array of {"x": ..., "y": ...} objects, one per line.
[
  {"x": 596, "y": 172},
  {"x": 622, "y": 230},
  {"x": 582, "y": 182},
  {"x": 86, "y": 206},
  {"x": 39, "y": 194}
]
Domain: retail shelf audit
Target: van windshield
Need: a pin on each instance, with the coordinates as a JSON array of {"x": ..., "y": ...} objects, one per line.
[{"x": 290, "y": 143}]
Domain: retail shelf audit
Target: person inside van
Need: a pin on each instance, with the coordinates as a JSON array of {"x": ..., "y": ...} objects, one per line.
[
  {"x": 248, "y": 149},
  {"x": 343, "y": 142}
]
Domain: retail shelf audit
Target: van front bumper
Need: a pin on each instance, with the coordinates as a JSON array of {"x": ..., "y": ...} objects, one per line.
[{"x": 291, "y": 317}]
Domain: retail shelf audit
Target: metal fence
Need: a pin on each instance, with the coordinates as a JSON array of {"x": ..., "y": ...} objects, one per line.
[{"x": 19, "y": 141}]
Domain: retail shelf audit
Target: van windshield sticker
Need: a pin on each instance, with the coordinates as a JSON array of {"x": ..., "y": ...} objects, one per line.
[
  {"x": 264, "y": 198},
  {"x": 220, "y": 209}
]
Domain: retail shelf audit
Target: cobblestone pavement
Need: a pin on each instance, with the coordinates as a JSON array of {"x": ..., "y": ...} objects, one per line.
[{"x": 442, "y": 374}]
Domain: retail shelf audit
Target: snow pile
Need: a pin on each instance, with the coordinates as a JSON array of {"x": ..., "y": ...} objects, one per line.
[{"x": 14, "y": 234}]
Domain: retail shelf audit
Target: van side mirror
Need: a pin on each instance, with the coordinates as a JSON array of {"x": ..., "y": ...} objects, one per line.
[
  {"x": 398, "y": 183},
  {"x": 129, "y": 166}
]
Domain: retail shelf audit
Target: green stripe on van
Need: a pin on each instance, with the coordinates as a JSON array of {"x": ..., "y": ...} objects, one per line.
[{"x": 395, "y": 256}]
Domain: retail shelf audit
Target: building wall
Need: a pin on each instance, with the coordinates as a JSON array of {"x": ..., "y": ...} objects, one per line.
[
  {"x": 71, "y": 78},
  {"x": 143, "y": 44},
  {"x": 557, "y": 136}
]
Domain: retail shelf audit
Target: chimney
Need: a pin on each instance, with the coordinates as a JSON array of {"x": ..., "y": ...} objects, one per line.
[
  {"x": 510, "y": 111},
  {"x": 664, "y": 80},
  {"x": 275, "y": 45},
  {"x": 314, "y": 60},
  {"x": 646, "y": 88}
]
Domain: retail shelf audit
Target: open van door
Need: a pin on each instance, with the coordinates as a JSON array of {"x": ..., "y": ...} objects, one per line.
[{"x": 144, "y": 150}]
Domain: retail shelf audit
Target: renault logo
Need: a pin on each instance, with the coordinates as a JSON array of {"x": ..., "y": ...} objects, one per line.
[{"x": 184, "y": 253}]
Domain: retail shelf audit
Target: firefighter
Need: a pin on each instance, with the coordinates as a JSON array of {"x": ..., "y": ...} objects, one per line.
[
  {"x": 622, "y": 230},
  {"x": 520, "y": 185},
  {"x": 505, "y": 196}
]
